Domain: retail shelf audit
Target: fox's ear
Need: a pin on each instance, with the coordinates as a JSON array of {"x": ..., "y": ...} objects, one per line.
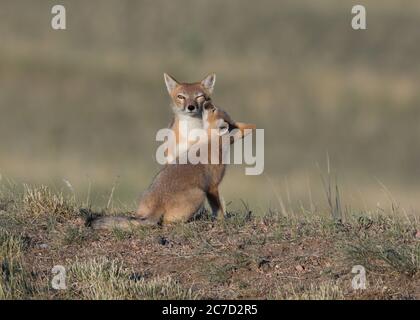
[
  {"x": 208, "y": 82},
  {"x": 242, "y": 127},
  {"x": 170, "y": 82}
]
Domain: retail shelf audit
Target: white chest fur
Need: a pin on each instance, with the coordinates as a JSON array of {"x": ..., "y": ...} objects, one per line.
[{"x": 185, "y": 126}]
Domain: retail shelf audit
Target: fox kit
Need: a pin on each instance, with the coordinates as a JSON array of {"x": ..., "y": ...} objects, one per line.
[
  {"x": 179, "y": 190},
  {"x": 187, "y": 105}
]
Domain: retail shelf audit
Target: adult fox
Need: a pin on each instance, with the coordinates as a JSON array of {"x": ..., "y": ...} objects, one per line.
[
  {"x": 187, "y": 105},
  {"x": 179, "y": 190}
]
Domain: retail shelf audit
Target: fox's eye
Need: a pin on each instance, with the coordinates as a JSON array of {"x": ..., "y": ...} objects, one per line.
[
  {"x": 222, "y": 126},
  {"x": 180, "y": 97},
  {"x": 223, "y": 130}
]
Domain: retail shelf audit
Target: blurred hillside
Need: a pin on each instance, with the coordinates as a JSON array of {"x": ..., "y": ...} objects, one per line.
[{"x": 85, "y": 104}]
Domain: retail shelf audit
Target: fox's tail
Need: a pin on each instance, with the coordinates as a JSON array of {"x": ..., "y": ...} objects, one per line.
[{"x": 117, "y": 222}]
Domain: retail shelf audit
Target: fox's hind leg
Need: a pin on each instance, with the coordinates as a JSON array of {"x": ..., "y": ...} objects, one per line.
[
  {"x": 149, "y": 212},
  {"x": 216, "y": 203},
  {"x": 183, "y": 206}
]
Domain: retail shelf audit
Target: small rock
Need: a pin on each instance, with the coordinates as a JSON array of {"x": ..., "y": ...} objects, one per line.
[
  {"x": 263, "y": 263},
  {"x": 44, "y": 246},
  {"x": 300, "y": 268},
  {"x": 417, "y": 235},
  {"x": 163, "y": 241}
]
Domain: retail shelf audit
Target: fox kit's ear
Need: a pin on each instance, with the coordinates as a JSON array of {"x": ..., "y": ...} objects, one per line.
[
  {"x": 170, "y": 82},
  {"x": 242, "y": 127},
  {"x": 208, "y": 82}
]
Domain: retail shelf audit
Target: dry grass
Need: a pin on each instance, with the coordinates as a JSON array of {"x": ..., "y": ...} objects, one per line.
[
  {"x": 104, "y": 279},
  {"x": 307, "y": 255},
  {"x": 301, "y": 255},
  {"x": 323, "y": 291},
  {"x": 378, "y": 256},
  {"x": 284, "y": 254},
  {"x": 41, "y": 200},
  {"x": 14, "y": 279}
]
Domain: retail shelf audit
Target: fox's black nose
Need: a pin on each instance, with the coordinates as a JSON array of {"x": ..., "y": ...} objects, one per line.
[{"x": 191, "y": 107}]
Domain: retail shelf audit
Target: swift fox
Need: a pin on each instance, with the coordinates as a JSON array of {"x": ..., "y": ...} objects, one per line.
[
  {"x": 187, "y": 102},
  {"x": 179, "y": 190}
]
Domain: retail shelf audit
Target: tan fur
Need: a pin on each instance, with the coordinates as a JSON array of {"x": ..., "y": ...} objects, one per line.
[{"x": 179, "y": 190}]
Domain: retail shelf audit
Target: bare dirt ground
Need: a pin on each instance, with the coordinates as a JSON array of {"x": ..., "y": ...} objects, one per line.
[{"x": 306, "y": 256}]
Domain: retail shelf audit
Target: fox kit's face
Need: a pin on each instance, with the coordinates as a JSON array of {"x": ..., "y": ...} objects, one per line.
[
  {"x": 218, "y": 123},
  {"x": 188, "y": 98}
]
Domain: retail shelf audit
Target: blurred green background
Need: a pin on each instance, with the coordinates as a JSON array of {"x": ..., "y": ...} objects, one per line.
[{"x": 84, "y": 104}]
